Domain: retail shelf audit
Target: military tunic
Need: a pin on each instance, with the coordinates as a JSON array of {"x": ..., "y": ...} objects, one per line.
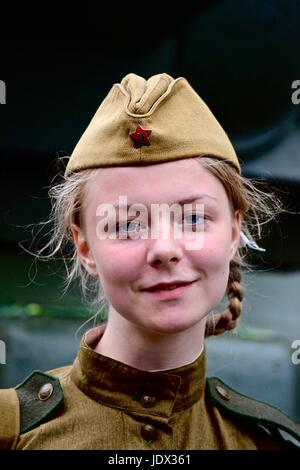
[{"x": 110, "y": 405}]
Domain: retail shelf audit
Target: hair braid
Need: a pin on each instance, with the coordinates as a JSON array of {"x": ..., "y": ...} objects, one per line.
[{"x": 228, "y": 320}]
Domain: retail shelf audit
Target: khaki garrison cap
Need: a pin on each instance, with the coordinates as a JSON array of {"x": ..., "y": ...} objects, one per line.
[{"x": 150, "y": 121}]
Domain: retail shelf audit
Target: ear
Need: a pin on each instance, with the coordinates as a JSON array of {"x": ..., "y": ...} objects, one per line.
[
  {"x": 236, "y": 232},
  {"x": 83, "y": 250}
]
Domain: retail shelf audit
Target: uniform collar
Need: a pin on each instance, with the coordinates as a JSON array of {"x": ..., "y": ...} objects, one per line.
[{"x": 118, "y": 385}]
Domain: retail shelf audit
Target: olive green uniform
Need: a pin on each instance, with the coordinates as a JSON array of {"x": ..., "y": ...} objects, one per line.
[{"x": 100, "y": 403}]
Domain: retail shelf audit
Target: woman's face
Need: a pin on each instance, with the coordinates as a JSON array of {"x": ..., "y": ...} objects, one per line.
[{"x": 128, "y": 266}]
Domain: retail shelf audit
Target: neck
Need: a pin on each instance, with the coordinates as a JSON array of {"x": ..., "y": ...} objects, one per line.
[{"x": 139, "y": 348}]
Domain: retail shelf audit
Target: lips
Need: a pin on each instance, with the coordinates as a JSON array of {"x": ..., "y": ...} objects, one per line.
[
  {"x": 168, "y": 286},
  {"x": 165, "y": 292}
]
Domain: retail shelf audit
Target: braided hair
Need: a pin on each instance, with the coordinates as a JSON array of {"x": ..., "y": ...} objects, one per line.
[{"x": 228, "y": 320}]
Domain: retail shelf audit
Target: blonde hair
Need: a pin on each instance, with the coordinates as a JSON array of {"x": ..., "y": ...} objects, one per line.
[{"x": 257, "y": 207}]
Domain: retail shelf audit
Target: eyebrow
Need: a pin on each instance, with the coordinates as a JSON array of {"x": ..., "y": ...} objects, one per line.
[{"x": 186, "y": 200}]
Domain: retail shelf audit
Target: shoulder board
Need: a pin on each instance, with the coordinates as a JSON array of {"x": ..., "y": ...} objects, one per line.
[
  {"x": 267, "y": 416},
  {"x": 40, "y": 395}
]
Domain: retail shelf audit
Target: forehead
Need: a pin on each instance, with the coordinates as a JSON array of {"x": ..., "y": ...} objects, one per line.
[{"x": 163, "y": 182}]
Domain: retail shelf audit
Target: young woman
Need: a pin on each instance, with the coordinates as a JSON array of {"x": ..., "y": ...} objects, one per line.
[{"x": 156, "y": 214}]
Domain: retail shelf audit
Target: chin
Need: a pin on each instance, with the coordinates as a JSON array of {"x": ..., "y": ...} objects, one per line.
[{"x": 172, "y": 326}]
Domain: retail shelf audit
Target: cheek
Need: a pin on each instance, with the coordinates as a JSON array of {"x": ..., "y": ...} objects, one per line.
[
  {"x": 213, "y": 264},
  {"x": 214, "y": 256},
  {"x": 116, "y": 265}
]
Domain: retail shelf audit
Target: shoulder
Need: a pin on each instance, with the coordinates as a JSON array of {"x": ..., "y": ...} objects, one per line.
[
  {"x": 30, "y": 403},
  {"x": 268, "y": 419},
  {"x": 10, "y": 418}
]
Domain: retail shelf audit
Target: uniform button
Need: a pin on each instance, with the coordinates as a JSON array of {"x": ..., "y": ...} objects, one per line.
[
  {"x": 147, "y": 400},
  {"x": 223, "y": 392},
  {"x": 148, "y": 432},
  {"x": 45, "y": 391}
]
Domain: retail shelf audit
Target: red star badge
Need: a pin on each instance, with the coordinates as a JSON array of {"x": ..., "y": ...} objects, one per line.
[{"x": 140, "y": 136}]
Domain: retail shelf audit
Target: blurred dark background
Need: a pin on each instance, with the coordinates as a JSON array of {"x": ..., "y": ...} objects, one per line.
[{"x": 241, "y": 57}]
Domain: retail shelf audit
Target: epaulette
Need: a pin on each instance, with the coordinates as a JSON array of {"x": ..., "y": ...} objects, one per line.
[
  {"x": 267, "y": 417},
  {"x": 40, "y": 395}
]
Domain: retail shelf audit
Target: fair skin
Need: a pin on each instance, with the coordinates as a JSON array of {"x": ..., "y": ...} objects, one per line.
[{"x": 143, "y": 330}]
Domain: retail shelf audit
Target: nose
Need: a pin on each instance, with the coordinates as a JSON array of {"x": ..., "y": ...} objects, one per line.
[{"x": 162, "y": 251}]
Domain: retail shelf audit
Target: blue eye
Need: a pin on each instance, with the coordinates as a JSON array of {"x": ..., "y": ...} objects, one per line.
[
  {"x": 195, "y": 218},
  {"x": 128, "y": 226}
]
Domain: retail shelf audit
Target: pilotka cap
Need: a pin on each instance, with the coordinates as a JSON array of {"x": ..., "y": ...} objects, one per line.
[{"x": 150, "y": 121}]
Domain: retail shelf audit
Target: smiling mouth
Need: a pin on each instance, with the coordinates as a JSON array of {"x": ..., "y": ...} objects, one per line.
[{"x": 170, "y": 287}]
